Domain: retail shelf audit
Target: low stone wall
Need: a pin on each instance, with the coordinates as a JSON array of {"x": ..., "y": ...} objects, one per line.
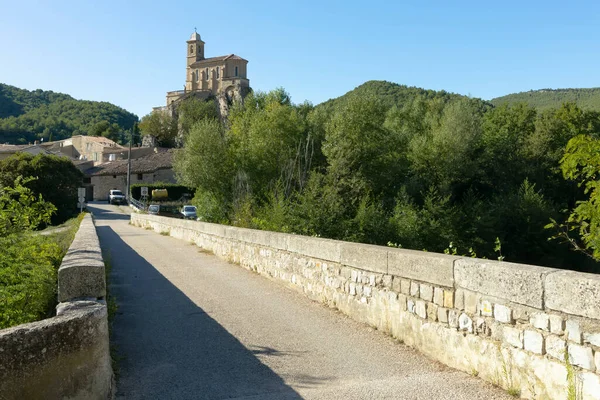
[
  {"x": 66, "y": 356},
  {"x": 510, "y": 324}
]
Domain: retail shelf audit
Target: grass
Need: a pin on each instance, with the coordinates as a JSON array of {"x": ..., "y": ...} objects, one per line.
[{"x": 29, "y": 270}]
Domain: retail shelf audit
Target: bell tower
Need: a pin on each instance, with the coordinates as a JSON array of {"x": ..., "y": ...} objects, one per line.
[{"x": 195, "y": 49}]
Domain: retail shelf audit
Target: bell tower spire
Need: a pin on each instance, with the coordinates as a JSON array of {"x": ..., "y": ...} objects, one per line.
[{"x": 195, "y": 48}]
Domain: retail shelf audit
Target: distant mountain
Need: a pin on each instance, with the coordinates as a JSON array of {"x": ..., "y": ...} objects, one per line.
[
  {"x": 588, "y": 99},
  {"x": 29, "y": 115},
  {"x": 392, "y": 94}
]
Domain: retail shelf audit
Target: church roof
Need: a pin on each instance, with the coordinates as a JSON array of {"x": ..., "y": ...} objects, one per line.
[
  {"x": 219, "y": 58},
  {"x": 195, "y": 36}
]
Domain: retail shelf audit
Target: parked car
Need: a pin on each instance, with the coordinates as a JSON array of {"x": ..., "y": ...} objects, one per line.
[
  {"x": 116, "y": 197},
  {"x": 153, "y": 209},
  {"x": 188, "y": 212}
]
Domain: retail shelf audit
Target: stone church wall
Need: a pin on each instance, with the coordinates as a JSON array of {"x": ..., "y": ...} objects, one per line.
[{"x": 532, "y": 330}]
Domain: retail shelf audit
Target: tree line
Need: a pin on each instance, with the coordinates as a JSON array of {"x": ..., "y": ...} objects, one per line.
[
  {"x": 26, "y": 116},
  {"x": 437, "y": 172}
]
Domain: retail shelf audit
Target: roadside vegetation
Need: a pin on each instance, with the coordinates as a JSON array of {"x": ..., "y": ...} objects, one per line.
[
  {"x": 390, "y": 164},
  {"x": 30, "y": 259}
]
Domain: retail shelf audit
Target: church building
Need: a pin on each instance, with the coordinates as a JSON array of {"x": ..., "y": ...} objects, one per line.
[{"x": 224, "y": 77}]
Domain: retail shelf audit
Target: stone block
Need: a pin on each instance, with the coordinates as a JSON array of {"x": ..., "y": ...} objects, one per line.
[
  {"x": 471, "y": 302},
  {"x": 453, "y": 318},
  {"x": 590, "y": 385},
  {"x": 540, "y": 321},
  {"x": 481, "y": 327},
  {"x": 486, "y": 308},
  {"x": 574, "y": 293},
  {"x": 404, "y": 285},
  {"x": 556, "y": 347},
  {"x": 426, "y": 292},
  {"x": 410, "y": 305},
  {"x": 438, "y": 296},
  {"x": 597, "y": 360},
  {"x": 533, "y": 341},
  {"x": 81, "y": 273},
  {"x": 421, "y": 309},
  {"x": 557, "y": 324},
  {"x": 465, "y": 323},
  {"x": 432, "y": 311},
  {"x": 442, "y": 315},
  {"x": 448, "y": 298},
  {"x": 364, "y": 256},
  {"x": 402, "y": 301},
  {"x": 323, "y": 249},
  {"x": 518, "y": 283},
  {"x": 432, "y": 268},
  {"x": 573, "y": 331},
  {"x": 63, "y": 357},
  {"x": 502, "y": 314},
  {"x": 513, "y": 336},
  {"x": 581, "y": 356},
  {"x": 386, "y": 281},
  {"x": 459, "y": 299},
  {"x": 414, "y": 289},
  {"x": 592, "y": 338},
  {"x": 396, "y": 287}
]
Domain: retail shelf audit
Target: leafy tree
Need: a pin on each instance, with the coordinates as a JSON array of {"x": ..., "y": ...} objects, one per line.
[
  {"x": 57, "y": 180},
  {"x": 581, "y": 163},
  {"x": 160, "y": 125},
  {"x": 193, "y": 110}
]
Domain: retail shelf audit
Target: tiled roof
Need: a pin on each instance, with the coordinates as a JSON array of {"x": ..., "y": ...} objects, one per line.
[
  {"x": 142, "y": 165},
  {"x": 219, "y": 58},
  {"x": 13, "y": 148}
]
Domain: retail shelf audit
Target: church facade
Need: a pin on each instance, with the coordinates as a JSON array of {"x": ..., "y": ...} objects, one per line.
[{"x": 224, "y": 77}]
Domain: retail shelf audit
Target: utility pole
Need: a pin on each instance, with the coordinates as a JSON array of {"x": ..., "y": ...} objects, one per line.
[{"x": 129, "y": 162}]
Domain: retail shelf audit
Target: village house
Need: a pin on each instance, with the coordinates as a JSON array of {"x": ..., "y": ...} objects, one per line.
[{"x": 152, "y": 168}]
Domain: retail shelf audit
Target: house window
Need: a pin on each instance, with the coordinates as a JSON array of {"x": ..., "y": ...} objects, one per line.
[
  {"x": 114, "y": 176},
  {"x": 218, "y": 72},
  {"x": 197, "y": 76},
  {"x": 87, "y": 180},
  {"x": 95, "y": 156},
  {"x": 206, "y": 73},
  {"x": 140, "y": 177},
  {"x": 236, "y": 71}
]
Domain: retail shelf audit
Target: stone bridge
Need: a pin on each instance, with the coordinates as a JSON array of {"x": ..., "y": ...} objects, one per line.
[{"x": 213, "y": 312}]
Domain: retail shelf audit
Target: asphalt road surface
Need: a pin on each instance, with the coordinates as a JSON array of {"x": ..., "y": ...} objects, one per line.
[{"x": 191, "y": 326}]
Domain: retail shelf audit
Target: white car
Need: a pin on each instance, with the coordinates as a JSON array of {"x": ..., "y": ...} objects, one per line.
[{"x": 116, "y": 197}]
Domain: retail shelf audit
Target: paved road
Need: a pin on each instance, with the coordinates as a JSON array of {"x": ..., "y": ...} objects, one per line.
[{"x": 191, "y": 326}]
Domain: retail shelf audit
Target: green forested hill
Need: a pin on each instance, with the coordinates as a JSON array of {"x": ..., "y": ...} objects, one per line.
[
  {"x": 29, "y": 115},
  {"x": 588, "y": 99},
  {"x": 391, "y": 94}
]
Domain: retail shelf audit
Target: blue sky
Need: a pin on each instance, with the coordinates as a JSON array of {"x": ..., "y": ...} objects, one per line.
[{"x": 131, "y": 52}]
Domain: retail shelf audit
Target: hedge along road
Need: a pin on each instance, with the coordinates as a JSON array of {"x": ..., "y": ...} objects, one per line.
[{"x": 191, "y": 326}]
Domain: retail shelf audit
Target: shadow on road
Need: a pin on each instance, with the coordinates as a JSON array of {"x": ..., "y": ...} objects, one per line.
[
  {"x": 170, "y": 347},
  {"x": 114, "y": 213}
]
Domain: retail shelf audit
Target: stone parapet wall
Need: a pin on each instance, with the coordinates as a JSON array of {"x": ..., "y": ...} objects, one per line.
[
  {"x": 532, "y": 330},
  {"x": 66, "y": 356}
]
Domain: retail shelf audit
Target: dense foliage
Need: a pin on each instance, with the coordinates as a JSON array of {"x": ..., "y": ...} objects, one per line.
[
  {"x": 544, "y": 99},
  {"x": 409, "y": 168},
  {"x": 581, "y": 163},
  {"x": 57, "y": 180},
  {"x": 26, "y": 116},
  {"x": 29, "y": 261}
]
